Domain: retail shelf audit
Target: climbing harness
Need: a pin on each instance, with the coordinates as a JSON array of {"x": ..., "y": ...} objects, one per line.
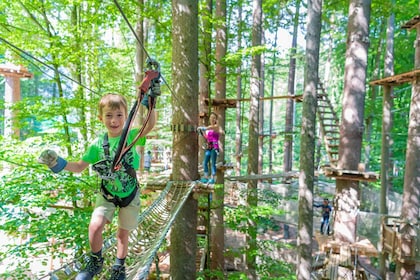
[{"x": 103, "y": 169}]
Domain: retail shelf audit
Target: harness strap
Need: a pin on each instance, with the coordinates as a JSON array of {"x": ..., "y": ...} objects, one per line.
[
  {"x": 118, "y": 201},
  {"x": 129, "y": 169}
]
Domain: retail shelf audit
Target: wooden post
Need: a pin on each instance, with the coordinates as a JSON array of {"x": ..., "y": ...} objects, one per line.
[{"x": 13, "y": 74}]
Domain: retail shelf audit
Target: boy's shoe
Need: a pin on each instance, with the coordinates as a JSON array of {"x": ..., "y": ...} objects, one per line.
[
  {"x": 211, "y": 181},
  {"x": 117, "y": 272},
  {"x": 204, "y": 180},
  {"x": 94, "y": 266}
]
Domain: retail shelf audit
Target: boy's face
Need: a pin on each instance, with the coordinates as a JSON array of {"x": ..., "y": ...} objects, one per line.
[{"x": 113, "y": 119}]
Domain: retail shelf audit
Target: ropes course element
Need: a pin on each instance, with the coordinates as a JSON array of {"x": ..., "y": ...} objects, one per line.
[
  {"x": 19, "y": 50},
  {"x": 144, "y": 242}
]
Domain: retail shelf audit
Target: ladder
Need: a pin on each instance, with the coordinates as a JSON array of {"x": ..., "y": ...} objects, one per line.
[{"x": 329, "y": 125}]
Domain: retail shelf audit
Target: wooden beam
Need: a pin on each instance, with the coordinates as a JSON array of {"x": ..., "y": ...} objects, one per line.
[
  {"x": 353, "y": 175},
  {"x": 412, "y": 23},
  {"x": 231, "y": 103},
  {"x": 263, "y": 176},
  {"x": 397, "y": 80},
  {"x": 10, "y": 70}
]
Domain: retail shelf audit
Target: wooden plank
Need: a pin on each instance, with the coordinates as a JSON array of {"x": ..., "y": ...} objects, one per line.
[
  {"x": 263, "y": 176},
  {"x": 412, "y": 23},
  {"x": 353, "y": 175},
  {"x": 396, "y": 80},
  {"x": 10, "y": 70}
]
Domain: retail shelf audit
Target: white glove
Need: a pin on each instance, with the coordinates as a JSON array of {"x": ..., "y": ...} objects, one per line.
[{"x": 52, "y": 160}]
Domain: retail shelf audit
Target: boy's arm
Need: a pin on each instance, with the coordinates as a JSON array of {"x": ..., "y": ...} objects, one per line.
[
  {"x": 150, "y": 124},
  {"x": 58, "y": 164},
  {"x": 76, "y": 166}
]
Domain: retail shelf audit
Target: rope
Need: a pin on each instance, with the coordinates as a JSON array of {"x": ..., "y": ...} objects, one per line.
[{"x": 144, "y": 242}]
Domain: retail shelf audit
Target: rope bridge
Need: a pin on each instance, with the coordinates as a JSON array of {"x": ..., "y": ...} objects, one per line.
[{"x": 144, "y": 242}]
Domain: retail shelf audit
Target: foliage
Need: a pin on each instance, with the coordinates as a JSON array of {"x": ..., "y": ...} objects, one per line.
[
  {"x": 78, "y": 50},
  {"x": 264, "y": 217}
]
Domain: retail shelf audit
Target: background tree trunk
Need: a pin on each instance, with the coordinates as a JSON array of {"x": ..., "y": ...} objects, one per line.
[
  {"x": 308, "y": 133},
  {"x": 185, "y": 143},
  {"x": 139, "y": 67},
  {"x": 411, "y": 202},
  {"x": 387, "y": 121},
  {"x": 217, "y": 224},
  {"x": 252, "y": 195},
  {"x": 290, "y": 103},
  {"x": 347, "y": 198},
  {"x": 205, "y": 69},
  {"x": 238, "y": 137}
]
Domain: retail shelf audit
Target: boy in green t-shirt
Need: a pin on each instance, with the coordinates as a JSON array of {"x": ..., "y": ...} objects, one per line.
[{"x": 121, "y": 191}]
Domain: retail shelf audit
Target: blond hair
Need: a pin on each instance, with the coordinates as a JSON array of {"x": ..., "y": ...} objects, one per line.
[{"x": 113, "y": 101}]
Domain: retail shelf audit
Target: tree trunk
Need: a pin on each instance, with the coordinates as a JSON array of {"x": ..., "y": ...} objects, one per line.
[
  {"x": 238, "y": 138},
  {"x": 217, "y": 224},
  {"x": 387, "y": 121},
  {"x": 205, "y": 69},
  {"x": 411, "y": 202},
  {"x": 185, "y": 142},
  {"x": 252, "y": 195},
  {"x": 290, "y": 103},
  {"x": 347, "y": 198},
  {"x": 308, "y": 133},
  {"x": 139, "y": 68}
]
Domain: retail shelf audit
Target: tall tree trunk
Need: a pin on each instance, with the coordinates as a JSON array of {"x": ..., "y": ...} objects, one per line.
[
  {"x": 218, "y": 230},
  {"x": 238, "y": 138},
  {"x": 252, "y": 195},
  {"x": 270, "y": 124},
  {"x": 411, "y": 201},
  {"x": 308, "y": 133},
  {"x": 290, "y": 103},
  {"x": 205, "y": 68},
  {"x": 185, "y": 141},
  {"x": 387, "y": 121},
  {"x": 261, "y": 115},
  {"x": 139, "y": 66},
  {"x": 347, "y": 198},
  {"x": 371, "y": 100},
  {"x": 78, "y": 69}
]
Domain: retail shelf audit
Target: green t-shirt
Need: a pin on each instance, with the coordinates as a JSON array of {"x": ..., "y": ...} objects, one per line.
[{"x": 123, "y": 184}]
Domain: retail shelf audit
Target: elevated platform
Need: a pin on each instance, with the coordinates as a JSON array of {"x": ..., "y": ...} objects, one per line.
[
  {"x": 353, "y": 175},
  {"x": 10, "y": 70},
  {"x": 393, "y": 239},
  {"x": 263, "y": 176},
  {"x": 412, "y": 23},
  {"x": 397, "y": 80},
  {"x": 231, "y": 103}
]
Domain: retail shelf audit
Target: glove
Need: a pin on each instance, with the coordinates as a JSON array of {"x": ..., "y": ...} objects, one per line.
[
  {"x": 154, "y": 92},
  {"x": 52, "y": 160},
  {"x": 155, "y": 88}
]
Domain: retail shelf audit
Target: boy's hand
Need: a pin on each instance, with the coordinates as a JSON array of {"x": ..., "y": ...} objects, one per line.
[{"x": 52, "y": 160}]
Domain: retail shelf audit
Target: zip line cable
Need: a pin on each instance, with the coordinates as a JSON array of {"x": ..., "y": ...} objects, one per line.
[
  {"x": 139, "y": 41},
  {"x": 46, "y": 65}
]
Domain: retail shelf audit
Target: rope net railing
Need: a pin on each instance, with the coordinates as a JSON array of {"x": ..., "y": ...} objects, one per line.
[{"x": 144, "y": 242}]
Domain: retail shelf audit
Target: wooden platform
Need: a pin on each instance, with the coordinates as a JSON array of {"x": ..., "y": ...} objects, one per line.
[
  {"x": 360, "y": 248},
  {"x": 353, "y": 175},
  {"x": 397, "y": 80},
  {"x": 11, "y": 70},
  {"x": 412, "y": 23},
  {"x": 393, "y": 240},
  {"x": 263, "y": 176}
]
